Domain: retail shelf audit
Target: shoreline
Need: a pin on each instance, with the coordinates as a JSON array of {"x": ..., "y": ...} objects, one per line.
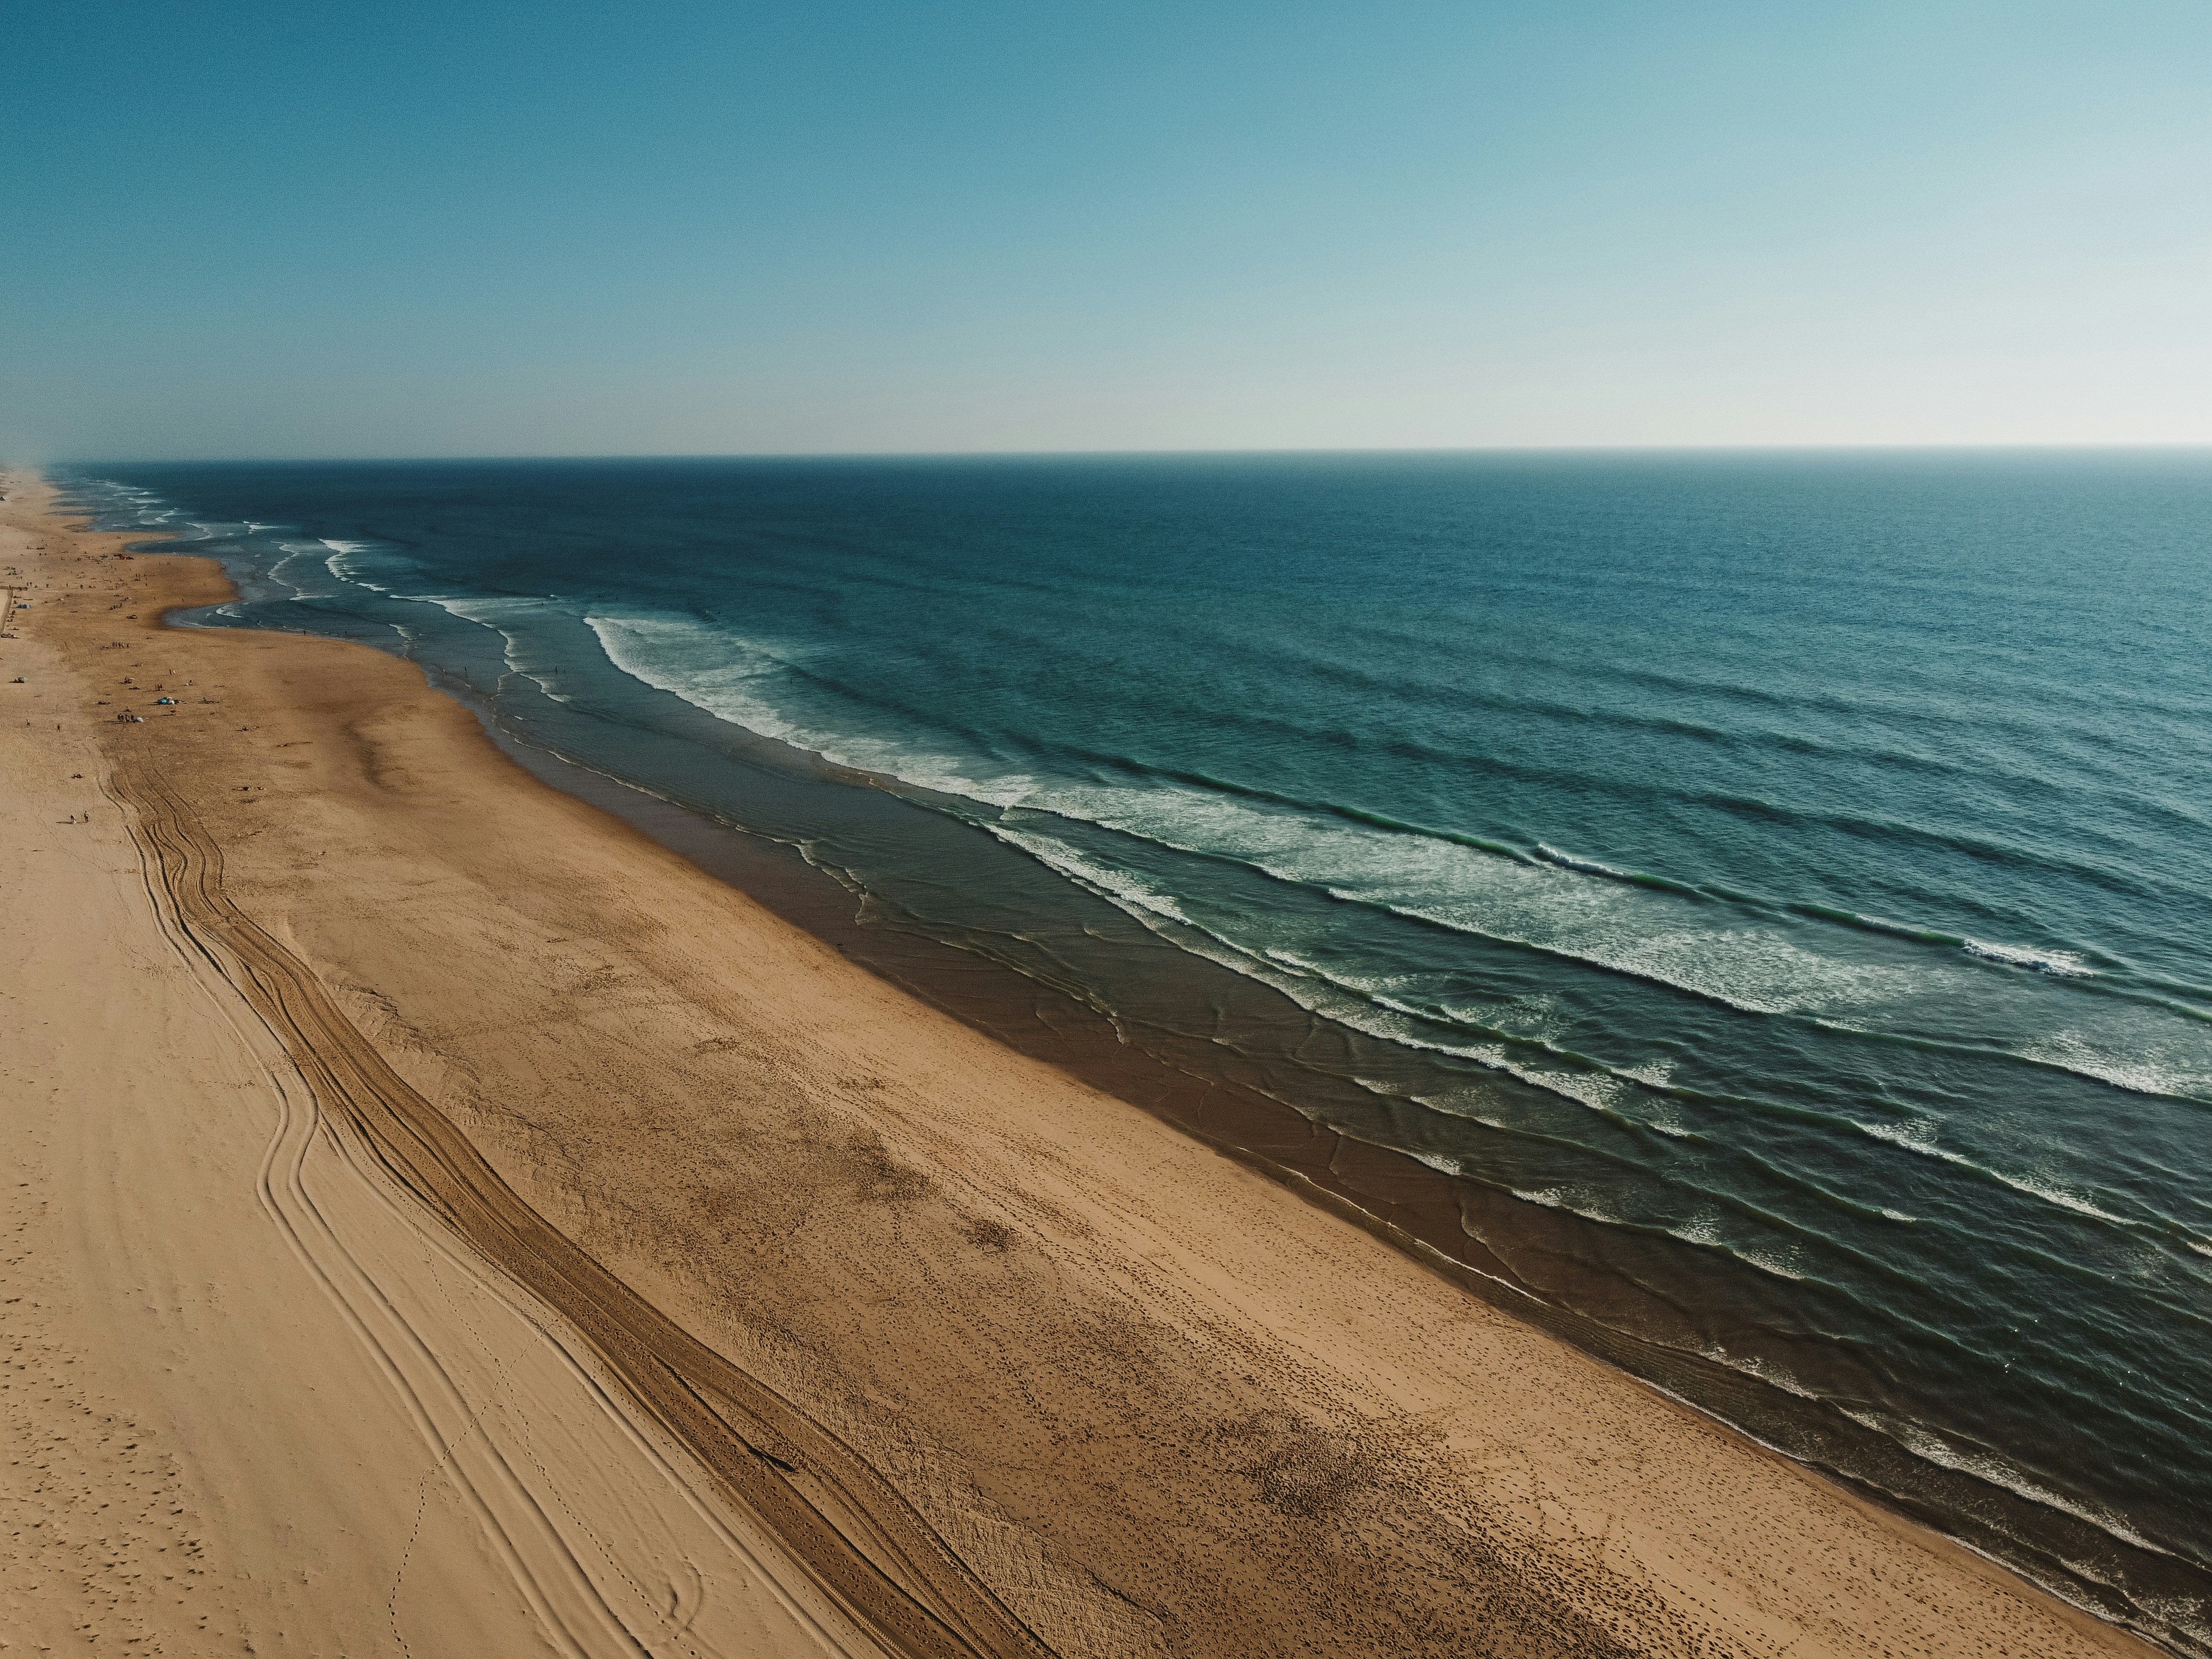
[
  {"x": 1388, "y": 1194},
  {"x": 1449, "y": 1225},
  {"x": 942, "y": 1181},
  {"x": 1779, "y": 1311}
]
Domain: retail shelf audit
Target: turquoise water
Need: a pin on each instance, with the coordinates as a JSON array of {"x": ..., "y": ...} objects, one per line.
[{"x": 1773, "y": 893}]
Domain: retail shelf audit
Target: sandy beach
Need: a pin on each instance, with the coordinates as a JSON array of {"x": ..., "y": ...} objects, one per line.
[{"x": 443, "y": 1222}]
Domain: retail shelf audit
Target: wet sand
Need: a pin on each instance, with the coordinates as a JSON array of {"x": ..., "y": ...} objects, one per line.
[{"x": 451, "y": 1223}]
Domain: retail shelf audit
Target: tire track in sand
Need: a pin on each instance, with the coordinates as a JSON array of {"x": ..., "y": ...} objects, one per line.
[
  {"x": 860, "y": 1542},
  {"x": 562, "y": 1597}
]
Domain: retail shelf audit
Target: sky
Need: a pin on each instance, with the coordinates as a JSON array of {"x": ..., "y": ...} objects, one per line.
[{"x": 232, "y": 229}]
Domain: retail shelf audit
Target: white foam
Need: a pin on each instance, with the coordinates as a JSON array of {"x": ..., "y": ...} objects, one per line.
[
  {"x": 1590, "y": 866},
  {"x": 732, "y": 676},
  {"x": 1704, "y": 1229},
  {"x": 506, "y": 615},
  {"x": 1926, "y": 1443},
  {"x": 1315, "y": 986},
  {"x": 344, "y": 561},
  {"x": 1764, "y": 1370},
  {"x": 2138, "y": 1073},
  {"x": 1136, "y": 896},
  {"x": 1919, "y": 1136},
  {"x": 317, "y": 583},
  {"x": 1565, "y": 1197},
  {"x": 2065, "y": 964},
  {"x": 1564, "y": 907}
]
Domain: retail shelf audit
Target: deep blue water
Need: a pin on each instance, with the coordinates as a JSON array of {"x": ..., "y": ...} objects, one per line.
[{"x": 1781, "y": 883}]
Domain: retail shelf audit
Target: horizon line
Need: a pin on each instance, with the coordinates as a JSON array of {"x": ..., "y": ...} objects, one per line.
[{"x": 2054, "y": 446}]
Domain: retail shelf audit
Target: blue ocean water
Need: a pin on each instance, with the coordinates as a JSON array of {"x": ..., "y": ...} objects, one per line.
[{"x": 1774, "y": 893}]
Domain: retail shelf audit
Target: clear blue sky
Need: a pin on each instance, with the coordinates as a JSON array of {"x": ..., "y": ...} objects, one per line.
[{"x": 390, "y": 228}]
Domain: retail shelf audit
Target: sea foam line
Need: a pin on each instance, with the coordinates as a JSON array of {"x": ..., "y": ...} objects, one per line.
[{"x": 1753, "y": 968}]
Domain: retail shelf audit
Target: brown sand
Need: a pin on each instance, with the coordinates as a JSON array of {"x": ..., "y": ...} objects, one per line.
[{"x": 443, "y": 1222}]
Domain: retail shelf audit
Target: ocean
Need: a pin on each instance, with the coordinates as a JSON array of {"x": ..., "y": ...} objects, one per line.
[{"x": 1752, "y": 913}]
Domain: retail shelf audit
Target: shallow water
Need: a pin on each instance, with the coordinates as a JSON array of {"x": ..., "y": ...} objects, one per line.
[{"x": 1773, "y": 895}]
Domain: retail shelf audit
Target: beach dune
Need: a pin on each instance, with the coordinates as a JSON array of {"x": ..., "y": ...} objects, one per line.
[{"x": 446, "y": 1222}]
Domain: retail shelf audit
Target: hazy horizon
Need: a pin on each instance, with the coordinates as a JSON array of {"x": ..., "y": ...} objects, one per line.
[
  {"x": 574, "y": 230},
  {"x": 1194, "y": 451}
]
